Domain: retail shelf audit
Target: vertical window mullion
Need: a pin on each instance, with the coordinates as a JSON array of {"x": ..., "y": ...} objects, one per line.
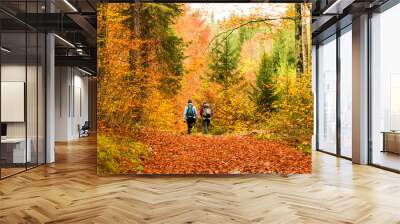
[
  {"x": 44, "y": 72},
  {"x": 317, "y": 97},
  {"x": 26, "y": 86},
  {"x": 369, "y": 90},
  {"x": 338, "y": 80},
  {"x": 37, "y": 90}
]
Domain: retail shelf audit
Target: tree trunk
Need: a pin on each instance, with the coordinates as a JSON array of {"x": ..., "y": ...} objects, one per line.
[
  {"x": 306, "y": 15},
  {"x": 299, "y": 40},
  {"x": 135, "y": 34}
]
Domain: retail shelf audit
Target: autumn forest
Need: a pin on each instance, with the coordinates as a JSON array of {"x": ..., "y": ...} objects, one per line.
[{"x": 250, "y": 62}]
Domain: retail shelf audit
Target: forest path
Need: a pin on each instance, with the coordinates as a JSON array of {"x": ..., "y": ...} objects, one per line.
[{"x": 174, "y": 153}]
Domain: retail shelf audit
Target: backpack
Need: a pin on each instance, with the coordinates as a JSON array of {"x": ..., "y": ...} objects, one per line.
[
  {"x": 190, "y": 111},
  {"x": 206, "y": 111}
]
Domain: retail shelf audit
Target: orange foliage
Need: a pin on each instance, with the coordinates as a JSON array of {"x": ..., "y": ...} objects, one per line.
[{"x": 183, "y": 154}]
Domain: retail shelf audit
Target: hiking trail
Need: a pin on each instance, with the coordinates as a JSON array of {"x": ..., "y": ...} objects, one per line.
[{"x": 174, "y": 153}]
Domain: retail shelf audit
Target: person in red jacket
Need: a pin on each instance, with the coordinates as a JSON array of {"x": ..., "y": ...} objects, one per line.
[{"x": 205, "y": 113}]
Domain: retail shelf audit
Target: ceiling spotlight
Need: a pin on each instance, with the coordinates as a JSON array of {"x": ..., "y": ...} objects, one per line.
[
  {"x": 65, "y": 41},
  {"x": 70, "y": 5}
]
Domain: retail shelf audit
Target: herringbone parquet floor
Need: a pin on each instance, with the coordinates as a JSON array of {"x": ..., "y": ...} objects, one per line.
[{"x": 69, "y": 191}]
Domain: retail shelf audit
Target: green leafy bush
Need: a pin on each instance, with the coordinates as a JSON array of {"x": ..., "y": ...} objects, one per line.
[{"x": 119, "y": 155}]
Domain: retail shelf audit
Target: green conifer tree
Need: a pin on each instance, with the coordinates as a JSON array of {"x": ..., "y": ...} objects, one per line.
[
  {"x": 223, "y": 65},
  {"x": 265, "y": 83}
]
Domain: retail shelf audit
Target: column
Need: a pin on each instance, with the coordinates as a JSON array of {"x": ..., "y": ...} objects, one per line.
[
  {"x": 50, "y": 92},
  {"x": 360, "y": 90}
]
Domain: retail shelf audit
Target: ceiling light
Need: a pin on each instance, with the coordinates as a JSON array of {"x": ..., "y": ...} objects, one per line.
[
  {"x": 5, "y": 50},
  {"x": 80, "y": 51},
  {"x": 65, "y": 41},
  {"x": 70, "y": 5},
  {"x": 337, "y": 7},
  {"x": 331, "y": 7},
  {"x": 84, "y": 71}
]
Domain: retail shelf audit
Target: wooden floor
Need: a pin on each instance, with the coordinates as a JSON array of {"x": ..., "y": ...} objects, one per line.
[
  {"x": 69, "y": 191},
  {"x": 387, "y": 159},
  {"x": 5, "y": 172}
]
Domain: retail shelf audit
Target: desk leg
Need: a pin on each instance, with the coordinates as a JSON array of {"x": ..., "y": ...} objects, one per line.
[{"x": 384, "y": 142}]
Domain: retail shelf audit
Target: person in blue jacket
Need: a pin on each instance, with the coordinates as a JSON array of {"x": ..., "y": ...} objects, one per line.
[{"x": 189, "y": 114}]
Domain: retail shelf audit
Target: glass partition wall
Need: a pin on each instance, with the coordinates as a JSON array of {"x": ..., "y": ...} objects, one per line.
[
  {"x": 13, "y": 89},
  {"x": 22, "y": 77}
]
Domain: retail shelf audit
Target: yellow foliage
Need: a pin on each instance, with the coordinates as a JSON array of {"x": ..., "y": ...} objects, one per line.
[
  {"x": 293, "y": 119},
  {"x": 233, "y": 110},
  {"x": 159, "y": 112}
]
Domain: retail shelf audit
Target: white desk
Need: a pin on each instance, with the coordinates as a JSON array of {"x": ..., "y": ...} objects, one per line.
[{"x": 18, "y": 150}]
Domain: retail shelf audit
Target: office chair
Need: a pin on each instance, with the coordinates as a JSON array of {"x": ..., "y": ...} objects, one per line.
[{"x": 84, "y": 130}]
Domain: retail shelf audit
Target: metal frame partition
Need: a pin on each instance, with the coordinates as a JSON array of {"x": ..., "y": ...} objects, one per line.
[
  {"x": 341, "y": 31},
  {"x": 334, "y": 30},
  {"x": 338, "y": 76},
  {"x": 369, "y": 125},
  {"x": 38, "y": 118}
]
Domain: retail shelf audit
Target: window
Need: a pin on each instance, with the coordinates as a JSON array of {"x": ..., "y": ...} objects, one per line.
[
  {"x": 385, "y": 89},
  {"x": 327, "y": 95},
  {"x": 346, "y": 92}
]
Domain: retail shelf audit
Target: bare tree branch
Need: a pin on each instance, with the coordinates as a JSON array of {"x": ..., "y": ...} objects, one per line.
[{"x": 229, "y": 32}]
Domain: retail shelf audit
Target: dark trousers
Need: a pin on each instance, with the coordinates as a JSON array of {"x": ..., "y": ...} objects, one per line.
[
  {"x": 190, "y": 123},
  {"x": 205, "y": 125}
]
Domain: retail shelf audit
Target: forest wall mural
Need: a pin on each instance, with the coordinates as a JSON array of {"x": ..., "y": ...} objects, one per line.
[{"x": 204, "y": 88}]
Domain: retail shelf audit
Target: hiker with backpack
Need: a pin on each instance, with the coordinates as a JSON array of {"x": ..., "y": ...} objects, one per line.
[
  {"x": 205, "y": 113},
  {"x": 189, "y": 115}
]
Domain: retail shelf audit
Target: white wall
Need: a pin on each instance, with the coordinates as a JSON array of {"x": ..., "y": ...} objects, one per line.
[
  {"x": 71, "y": 102},
  {"x": 11, "y": 73},
  {"x": 16, "y": 73},
  {"x": 34, "y": 125},
  {"x": 80, "y": 102},
  {"x": 62, "y": 82}
]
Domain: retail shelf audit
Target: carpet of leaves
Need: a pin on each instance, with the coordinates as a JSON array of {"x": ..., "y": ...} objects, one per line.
[{"x": 173, "y": 153}]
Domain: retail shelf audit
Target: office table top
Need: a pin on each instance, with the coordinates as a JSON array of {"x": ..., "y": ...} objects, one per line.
[
  {"x": 390, "y": 132},
  {"x": 13, "y": 140}
]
